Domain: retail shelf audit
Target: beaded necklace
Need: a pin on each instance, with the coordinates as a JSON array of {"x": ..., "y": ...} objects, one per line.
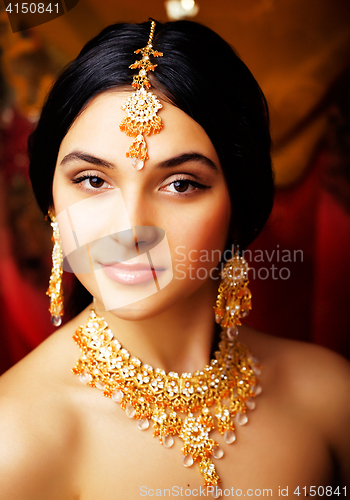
[{"x": 217, "y": 397}]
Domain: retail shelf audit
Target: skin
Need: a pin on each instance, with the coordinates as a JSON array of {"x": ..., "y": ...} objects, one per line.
[{"x": 62, "y": 440}]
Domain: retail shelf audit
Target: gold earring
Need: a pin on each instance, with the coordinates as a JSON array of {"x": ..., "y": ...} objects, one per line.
[
  {"x": 55, "y": 291},
  {"x": 234, "y": 298}
]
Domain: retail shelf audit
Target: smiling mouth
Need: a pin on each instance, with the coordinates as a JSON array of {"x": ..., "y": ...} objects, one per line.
[{"x": 131, "y": 274}]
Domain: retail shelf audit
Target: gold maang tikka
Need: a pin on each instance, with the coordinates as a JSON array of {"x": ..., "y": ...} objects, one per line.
[
  {"x": 55, "y": 291},
  {"x": 141, "y": 106}
]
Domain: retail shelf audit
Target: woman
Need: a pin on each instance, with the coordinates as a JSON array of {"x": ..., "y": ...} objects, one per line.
[{"x": 144, "y": 221}]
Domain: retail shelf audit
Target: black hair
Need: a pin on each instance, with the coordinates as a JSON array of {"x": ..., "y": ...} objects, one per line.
[{"x": 199, "y": 73}]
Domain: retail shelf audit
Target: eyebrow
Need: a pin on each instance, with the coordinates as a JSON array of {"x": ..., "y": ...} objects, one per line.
[
  {"x": 184, "y": 158},
  {"x": 80, "y": 155},
  {"x": 171, "y": 162}
]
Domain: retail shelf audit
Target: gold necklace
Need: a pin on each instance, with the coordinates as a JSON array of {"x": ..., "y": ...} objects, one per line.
[{"x": 228, "y": 384}]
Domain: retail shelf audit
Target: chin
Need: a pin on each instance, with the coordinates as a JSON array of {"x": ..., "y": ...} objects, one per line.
[
  {"x": 144, "y": 309},
  {"x": 143, "y": 301},
  {"x": 157, "y": 304}
]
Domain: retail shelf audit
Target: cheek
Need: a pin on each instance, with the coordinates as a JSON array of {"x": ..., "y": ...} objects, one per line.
[{"x": 198, "y": 241}]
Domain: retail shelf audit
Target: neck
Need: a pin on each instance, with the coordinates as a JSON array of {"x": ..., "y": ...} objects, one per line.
[{"x": 178, "y": 339}]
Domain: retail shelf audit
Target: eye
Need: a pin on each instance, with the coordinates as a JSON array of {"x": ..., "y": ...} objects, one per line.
[
  {"x": 181, "y": 186},
  {"x": 96, "y": 182},
  {"x": 185, "y": 186},
  {"x": 91, "y": 182}
]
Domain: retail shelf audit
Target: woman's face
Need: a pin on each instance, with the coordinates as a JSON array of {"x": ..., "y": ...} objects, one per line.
[{"x": 140, "y": 240}]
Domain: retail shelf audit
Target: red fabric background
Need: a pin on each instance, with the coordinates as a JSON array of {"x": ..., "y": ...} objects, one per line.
[{"x": 313, "y": 304}]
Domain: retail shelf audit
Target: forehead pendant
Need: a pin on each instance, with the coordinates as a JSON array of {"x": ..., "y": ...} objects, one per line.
[{"x": 141, "y": 107}]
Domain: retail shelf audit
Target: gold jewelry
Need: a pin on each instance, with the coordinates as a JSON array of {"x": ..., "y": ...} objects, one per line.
[
  {"x": 234, "y": 298},
  {"x": 141, "y": 107},
  {"x": 55, "y": 291},
  {"x": 228, "y": 384}
]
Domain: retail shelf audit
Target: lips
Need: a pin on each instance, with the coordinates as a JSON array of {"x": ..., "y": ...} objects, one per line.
[{"x": 131, "y": 274}]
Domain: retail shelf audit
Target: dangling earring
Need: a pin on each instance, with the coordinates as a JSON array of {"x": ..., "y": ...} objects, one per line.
[
  {"x": 55, "y": 291},
  {"x": 234, "y": 298}
]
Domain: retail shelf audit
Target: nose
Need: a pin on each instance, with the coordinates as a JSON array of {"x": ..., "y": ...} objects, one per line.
[
  {"x": 143, "y": 234},
  {"x": 138, "y": 239},
  {"x": 148, "y": 237},
  {"x": 125, "y": 239}
]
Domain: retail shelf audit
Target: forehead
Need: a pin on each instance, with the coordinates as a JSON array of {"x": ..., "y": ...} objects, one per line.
[{"x": 96, "y": 130}]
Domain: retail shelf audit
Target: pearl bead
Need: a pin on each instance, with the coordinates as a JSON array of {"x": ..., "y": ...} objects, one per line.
[
  {"x": 168, "y": 441},
  {"x": 85, "y": 377},
  {"x": 241, "y": 418},
  {"x": 117, "y": 396},
  {"x": 250, "y": 404},
  {"x": 218, "y": 452},
  {"x": 56, "y": 320},
  {"x": 229, "y": 437},
  {"x": 187, "y": 461},
  {"x": 130, "y": 410},
  {"x": 143, "y": 424}
]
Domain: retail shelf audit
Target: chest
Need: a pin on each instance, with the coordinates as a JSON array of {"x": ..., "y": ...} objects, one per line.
[{"x": 275, "y": 451}]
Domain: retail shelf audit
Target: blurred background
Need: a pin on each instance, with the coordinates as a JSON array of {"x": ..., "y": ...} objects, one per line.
[{"x": 300, "y": 54}]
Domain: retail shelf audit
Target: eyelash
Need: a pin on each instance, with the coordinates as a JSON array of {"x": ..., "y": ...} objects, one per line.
[
  {"x": 84, "y": 177},
  {"x": 197, "y": 185}
]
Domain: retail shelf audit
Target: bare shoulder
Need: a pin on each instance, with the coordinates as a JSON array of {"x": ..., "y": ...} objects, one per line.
[
  {"x": 39, "y": 424},
  {"x": 308, "y": 370},
  {"x": 313, "y": 383}
]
